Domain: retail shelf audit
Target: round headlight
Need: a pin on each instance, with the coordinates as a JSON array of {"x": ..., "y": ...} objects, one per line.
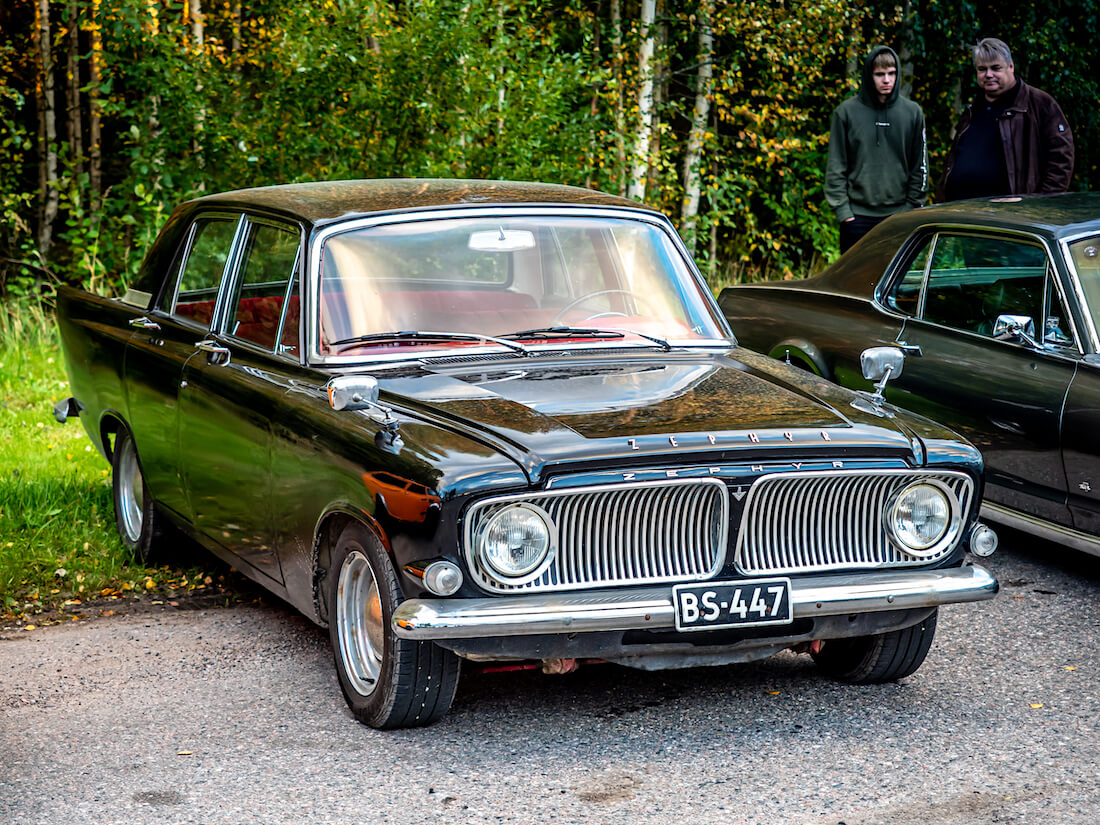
[
  {"x": 517, "y": 542},
  {"x": 919, "y": 518}
]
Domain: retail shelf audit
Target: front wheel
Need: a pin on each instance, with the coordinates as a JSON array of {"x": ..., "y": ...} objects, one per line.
[
  {"x": 388, "y": 682},
  {"x": 139, "y": 524},
  {"x": 886, "y": 657}
]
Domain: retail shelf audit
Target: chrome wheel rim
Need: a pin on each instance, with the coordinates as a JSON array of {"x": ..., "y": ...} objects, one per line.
[
  {"x": 131, "y": 491},
  {"x": 359, "y": 625}
]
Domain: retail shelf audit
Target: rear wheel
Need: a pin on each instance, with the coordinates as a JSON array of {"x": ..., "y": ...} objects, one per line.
[
  {"x": 886, "y": 657},
  {"x": 388, "y": 682},
  {"x": 139, "y": 524}
]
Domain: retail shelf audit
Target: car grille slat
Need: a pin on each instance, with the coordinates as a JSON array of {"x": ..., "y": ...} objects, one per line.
[
  {"x": 833, "y": 520},
  {"x": 624, "y": 534}
]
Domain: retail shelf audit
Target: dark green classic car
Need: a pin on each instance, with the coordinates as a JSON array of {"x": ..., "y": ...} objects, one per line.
[
  {"x": 995, "y": 302},
  {"x": 460, "y": 420}
]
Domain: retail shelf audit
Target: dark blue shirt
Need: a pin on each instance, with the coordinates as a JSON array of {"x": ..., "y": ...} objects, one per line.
[{"x": 979, "y": 169}]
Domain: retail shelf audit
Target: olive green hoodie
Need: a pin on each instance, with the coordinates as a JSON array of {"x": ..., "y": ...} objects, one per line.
[{"x": 878, "y": 161}]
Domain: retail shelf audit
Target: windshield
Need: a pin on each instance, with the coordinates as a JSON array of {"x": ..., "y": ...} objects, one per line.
[
  {"x": 501, "y": 276},
  {"x": 1085, "y": 254}
]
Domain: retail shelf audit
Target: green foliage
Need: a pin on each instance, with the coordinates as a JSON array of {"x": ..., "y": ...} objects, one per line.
[
  {"x": 284, "y": 91},
  {"x": 58, "y": 544}
]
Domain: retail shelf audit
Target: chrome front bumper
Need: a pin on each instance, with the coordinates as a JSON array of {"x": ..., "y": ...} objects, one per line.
[{"x": 651, "y": 608}]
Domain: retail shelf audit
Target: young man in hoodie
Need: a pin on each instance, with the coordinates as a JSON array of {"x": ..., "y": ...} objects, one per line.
[{"x": 878, "y": 161}]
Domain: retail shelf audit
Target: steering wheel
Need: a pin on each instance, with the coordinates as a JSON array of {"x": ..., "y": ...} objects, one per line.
[{"x": 644, "y": 302}]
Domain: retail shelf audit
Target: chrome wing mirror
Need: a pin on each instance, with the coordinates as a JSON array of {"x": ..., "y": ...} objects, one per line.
[
  {"x": 360, "y": 392},
  {"x": 1015, "y": 328},
  {"x": 352, "y": 392},
  {"x": 879, "y": 365}
]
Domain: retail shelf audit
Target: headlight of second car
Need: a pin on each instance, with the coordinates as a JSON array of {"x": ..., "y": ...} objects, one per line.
[
  {"x": 921, "y": 518},
  {"x": 517, "y": 543}
]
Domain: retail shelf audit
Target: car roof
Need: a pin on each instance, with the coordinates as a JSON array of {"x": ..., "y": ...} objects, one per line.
[
  {"x": 1053, "y": 217},
  {"x": 326, "y": 201}
]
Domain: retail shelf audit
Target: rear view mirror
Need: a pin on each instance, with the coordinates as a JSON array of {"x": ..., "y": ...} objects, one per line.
[{"x": 502, "y": 240}]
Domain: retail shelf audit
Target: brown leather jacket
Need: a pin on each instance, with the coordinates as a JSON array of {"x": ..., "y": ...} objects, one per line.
[{"x": 1037, "y": 141}]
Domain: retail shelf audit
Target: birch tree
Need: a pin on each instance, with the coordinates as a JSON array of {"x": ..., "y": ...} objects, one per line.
[
  {"x": 639, "y": 171},
  {"x": 47, "y": 127},
  {"x": 693, "y": 155}
]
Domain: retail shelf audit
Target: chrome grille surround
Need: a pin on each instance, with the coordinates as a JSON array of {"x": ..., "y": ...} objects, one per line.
[
  {"x": 836, "y": 520},
  {"x": 618, "y": 534}
]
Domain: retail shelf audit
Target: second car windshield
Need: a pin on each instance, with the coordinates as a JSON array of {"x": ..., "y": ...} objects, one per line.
[
  {"x": 1085, "y": 254},
  {"x": 499, "y": 276}
]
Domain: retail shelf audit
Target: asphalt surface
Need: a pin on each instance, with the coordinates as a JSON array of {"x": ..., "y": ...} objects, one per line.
[{"x": 234, "y": 716}]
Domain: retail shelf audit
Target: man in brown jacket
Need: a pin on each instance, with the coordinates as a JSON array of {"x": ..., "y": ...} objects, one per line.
[{"x": 1012, "y": 139}]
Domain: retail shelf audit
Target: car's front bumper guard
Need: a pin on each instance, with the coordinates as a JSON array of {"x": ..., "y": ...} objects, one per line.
[{"x": 645, "y": 608}]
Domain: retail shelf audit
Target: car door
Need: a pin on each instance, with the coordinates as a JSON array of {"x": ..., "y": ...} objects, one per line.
[
  {"x": 164, "y": 339},
  {"x": 1080, "y": 433},
  {"x": 1003, "y": 393},
  {"x": 229, "y": 388}
]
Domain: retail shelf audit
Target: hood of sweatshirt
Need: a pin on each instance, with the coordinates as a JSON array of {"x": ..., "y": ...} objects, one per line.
[{"x": 867, "y": 92}]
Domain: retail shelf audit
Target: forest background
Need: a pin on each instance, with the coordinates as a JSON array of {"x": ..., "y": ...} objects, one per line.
[{"x": 114, "y": 111}]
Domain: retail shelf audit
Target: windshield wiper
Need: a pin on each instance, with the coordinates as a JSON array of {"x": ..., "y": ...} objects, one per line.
[
  {"x": 587, "y": 332},
  {"x": 413, "y": 335},
  {"x": 563, "y": 332}
]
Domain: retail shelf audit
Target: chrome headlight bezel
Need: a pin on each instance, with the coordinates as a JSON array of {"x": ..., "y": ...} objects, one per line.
[
  {"x": 528, "y": 574},
  {"x": 947, "y": 537}
]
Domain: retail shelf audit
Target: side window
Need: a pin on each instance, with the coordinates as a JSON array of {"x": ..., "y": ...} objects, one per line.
[
  {"x": 972, "y": 280},
  {"x": 201, "y": 272},
  {"x": 905, "y": 295},
  {"x": 265, "y": 308}
]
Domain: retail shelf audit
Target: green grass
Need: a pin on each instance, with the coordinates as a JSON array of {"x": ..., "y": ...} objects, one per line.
[{"x": 58, "y": 543}]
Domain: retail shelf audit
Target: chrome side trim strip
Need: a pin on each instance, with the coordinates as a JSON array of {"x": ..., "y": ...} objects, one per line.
[
  {"x": 1074, "y": 539},
  {"x": 651, "y": 608}
]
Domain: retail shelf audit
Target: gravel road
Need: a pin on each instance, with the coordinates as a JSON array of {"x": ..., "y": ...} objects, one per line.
[{"x": 234, "y": 716}]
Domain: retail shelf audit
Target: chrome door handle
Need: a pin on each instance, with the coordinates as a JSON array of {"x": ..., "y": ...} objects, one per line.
[
  {"x": 220, "y": 354},
  {"x": 909, "y": 349},
  {"x": 144, "y": 323}
]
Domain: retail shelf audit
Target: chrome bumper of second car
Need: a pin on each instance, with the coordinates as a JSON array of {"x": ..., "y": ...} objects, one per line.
[{"x": 652, "y": 608}]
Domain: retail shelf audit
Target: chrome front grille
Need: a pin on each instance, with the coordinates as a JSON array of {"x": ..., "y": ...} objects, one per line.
[
  {"x": 621, "y": 534},
  {"x": 832, "y": 520}
]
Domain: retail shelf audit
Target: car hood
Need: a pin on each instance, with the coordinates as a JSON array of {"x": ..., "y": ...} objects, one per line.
[{"x": 574, "y": 409}]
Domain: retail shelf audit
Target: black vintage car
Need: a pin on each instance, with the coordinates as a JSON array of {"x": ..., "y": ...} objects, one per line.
[
  {"x": 494, "y": 421},
  {"x": 999, "y": 298}
]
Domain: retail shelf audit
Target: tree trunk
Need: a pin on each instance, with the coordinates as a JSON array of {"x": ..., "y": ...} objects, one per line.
[
  {"x": 47, "y": 131},
  {"x": 594, "y": 105},
  {"x": 660, "y": 95},
  {"x": 76, "y": 120},
  {"x": 617, "y": 101},
  {"x": 95, "y": 161},
  {"x": 198, "y": 40},
  {"x": 905, "y": 50},
  {"x": 694, "y": 155},
  {"x": 640, "y": 166}
]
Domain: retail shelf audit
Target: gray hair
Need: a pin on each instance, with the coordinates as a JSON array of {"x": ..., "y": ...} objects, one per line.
[{"x": 990, "y": 49}]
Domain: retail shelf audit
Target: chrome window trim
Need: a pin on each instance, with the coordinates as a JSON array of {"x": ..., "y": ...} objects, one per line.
[
  {"x": 895, "y": 270},
  {"x": 721, "y": 543},
  {"x": 230, "y": 261},
  {"x": 312, "y": 330},
  {"x": 230, "y": 286}
]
